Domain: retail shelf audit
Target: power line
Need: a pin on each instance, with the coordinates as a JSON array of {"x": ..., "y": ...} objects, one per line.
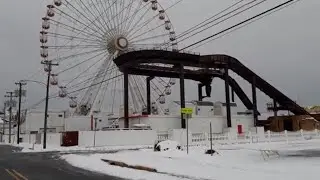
[
  {"x": 223, "y": 20},
  {"x": 218, "y": 37},
  {"x": 194, "y": 28},
  {"x": 236, "y": 25},
  {"x": 215, "y": 15}
]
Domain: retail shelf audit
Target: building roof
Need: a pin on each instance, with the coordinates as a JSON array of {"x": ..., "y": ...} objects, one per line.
[{"x": 313, "y": 109}]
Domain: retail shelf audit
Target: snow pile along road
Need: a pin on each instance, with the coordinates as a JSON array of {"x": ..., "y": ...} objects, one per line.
[{"x": 233, "y": 162}]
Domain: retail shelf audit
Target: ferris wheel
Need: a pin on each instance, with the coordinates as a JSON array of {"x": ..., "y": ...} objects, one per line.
[{"x": 84, "y": 36}]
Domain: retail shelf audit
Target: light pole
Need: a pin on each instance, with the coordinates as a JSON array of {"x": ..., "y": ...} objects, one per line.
[
  {"x": 19, "y": 109},
  {"x": 48, "y": 68}
]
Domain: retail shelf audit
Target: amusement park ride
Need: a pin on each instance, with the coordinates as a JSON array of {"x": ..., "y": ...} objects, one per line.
[{"x": 115, "y": 54}]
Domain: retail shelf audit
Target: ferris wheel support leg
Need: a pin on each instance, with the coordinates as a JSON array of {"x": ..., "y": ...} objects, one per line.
[
  {"x": 200, "y": 97},
  {"x": 275, "y": 108},
  {"x": 149, "y": 94},
  {"x": 232, "y": 95},
  {"x": 227, "y": 90},
  {"x": 182, "y": 95},
  {"x": 126, "y": 98},
  {"x": 254, "y": 101}
]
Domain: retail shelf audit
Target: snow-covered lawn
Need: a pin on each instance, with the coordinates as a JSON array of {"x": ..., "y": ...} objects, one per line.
[{"x": 243, "y": 162}]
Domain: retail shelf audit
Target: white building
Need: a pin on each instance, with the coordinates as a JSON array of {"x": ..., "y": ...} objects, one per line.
[
  {"x": 203, "y": 114},
  {"x": 35, "y": 121}
]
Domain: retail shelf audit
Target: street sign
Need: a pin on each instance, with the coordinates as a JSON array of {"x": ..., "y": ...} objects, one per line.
[
  {"x": 187, "y": 116},
  {"x": 186, "y": 110}
]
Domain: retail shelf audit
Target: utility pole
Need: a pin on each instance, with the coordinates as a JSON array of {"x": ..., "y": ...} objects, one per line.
[
  {"x": 48, "y": 66},
  {"x": 4, "y": 117},
  {"x": 20, "y": 84},
  {"x": 10, "y": 112}
]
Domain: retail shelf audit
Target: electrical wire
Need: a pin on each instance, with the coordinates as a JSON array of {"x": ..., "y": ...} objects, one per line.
[
  {"x": 200, "y": 24},
  {"x": 223, "y": 20},
  {"x": 216, "y": 19},
  {"x": 238, "y": 24},
  {"x": 245, "y": 25}
]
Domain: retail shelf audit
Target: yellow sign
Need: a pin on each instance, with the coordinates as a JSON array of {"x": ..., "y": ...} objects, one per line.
[{"x": 186, "y": 110}]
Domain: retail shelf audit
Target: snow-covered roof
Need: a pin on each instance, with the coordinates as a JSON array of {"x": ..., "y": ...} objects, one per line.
[{"x": 265, "y": 115}]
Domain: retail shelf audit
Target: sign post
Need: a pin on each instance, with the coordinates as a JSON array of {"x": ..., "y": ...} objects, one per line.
[
  {"x": 211, "y": 139},
  {"x": 187, "y": 114}
]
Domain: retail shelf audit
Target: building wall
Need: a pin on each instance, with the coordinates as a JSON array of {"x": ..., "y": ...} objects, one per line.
[
  {"x": 159, "y": 123},
  {"x": 245, "y": 120},
  {"x": 198, "y": 124},
  {"x": 35, "y": 121},
  {"x": 117, "y": 138},
  {"x": 83, "y": 123},
  {"x": 78, "y": 123},
  {"x": 204, "y": 111},
  {"x": 53, "y": 139},
  {"x": 57, "y": 122}
]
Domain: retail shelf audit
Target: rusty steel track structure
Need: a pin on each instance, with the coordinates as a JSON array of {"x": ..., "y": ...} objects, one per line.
[{"x": 205, "y": 68}]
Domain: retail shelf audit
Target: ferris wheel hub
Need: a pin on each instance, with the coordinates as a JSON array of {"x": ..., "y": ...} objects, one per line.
[
  {"x": 117, "y": 44},
  {"x": 122, "y": 43}
]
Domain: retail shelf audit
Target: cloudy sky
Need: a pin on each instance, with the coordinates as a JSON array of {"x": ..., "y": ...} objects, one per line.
[{"x": 282, "y": 48}]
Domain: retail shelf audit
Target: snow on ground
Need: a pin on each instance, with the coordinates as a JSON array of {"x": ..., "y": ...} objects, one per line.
[
  {"x": 39, "y": 148},
  {"x": 243, "y": 162}
]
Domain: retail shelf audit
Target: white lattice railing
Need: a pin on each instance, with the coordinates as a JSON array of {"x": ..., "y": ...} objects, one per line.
[
  {"x": 162, "y": 136},
  {"x": 246, "y": 138}
]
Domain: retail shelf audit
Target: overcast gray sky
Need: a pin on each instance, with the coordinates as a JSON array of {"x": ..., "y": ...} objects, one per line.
[{"x": 282, "y": 48}]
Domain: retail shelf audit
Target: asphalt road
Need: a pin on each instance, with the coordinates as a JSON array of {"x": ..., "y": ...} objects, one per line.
[{"x": 40, "y": 166}]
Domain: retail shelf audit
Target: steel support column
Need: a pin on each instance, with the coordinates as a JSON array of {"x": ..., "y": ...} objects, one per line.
[
  {"x": 126, "y": 98},
  {"x": 254, "y": 101},
  {"x": 227, "y": 90},
  {"x": 232, "y": 95},
  {"x": 200, "y": 97},
  {"x": 182, "y": 95},
  {"x": 275, "y": 110},
  {"x": 149, "y": 94}
]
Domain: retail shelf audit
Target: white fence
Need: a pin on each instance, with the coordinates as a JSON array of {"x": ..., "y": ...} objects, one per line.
[
  {"x": 52, "y": 138},
  {"x": 149, "y": 137},
  {"x": 117, "y": 138},
  {"x": 5, "y": 138},
  {"x": 196, "y": 139}
]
